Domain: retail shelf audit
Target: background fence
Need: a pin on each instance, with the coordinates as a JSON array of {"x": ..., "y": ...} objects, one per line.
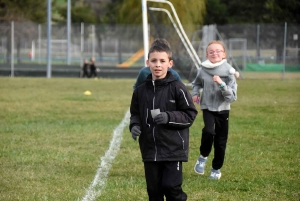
[{"x": 255, "y": 50}]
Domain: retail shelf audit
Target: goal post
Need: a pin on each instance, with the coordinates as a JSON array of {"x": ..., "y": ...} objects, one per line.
[
  {"x": 240, "y": 51},
  {"x": 178, "y": 28}
]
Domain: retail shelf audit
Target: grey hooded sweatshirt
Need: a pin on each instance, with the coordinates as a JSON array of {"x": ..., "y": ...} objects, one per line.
[{"x": 213, "y": 97}]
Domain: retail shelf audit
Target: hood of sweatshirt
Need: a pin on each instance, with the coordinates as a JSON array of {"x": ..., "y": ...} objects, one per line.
[
  {"x": 208, "y": 64},
  {"x": 221, "y": 68},
  {"x": 160, "y": 82}
]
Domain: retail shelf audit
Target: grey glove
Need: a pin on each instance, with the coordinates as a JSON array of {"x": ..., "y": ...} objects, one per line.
[
  {"x": 135, "y": 132},
  {"x": 161, "y": 118}
]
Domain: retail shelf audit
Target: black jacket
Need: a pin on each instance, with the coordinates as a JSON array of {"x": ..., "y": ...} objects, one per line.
[{"x": 165, "y": 142}]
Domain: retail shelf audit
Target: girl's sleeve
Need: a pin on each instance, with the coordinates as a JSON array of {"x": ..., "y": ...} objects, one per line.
[{"x": 229, "y": 91}]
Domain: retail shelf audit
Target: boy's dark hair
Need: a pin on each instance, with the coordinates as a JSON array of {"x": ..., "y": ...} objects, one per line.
[{"x": 160, "y": 45}]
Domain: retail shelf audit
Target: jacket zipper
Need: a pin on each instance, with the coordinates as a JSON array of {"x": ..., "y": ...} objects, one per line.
[
  {"x": 182, "y": 140},
  {"x": 153, "y": 82},
  {"x": 155, "y": 144},
  {"x": 147, "y": 118}
]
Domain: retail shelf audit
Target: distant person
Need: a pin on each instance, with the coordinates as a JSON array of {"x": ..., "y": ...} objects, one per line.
[
  {"x": 217, "y": 80},
  {"x": 164, "y": 138},
  {"x": 93, "y": 68},
  {"x": 85, "y": 68}
]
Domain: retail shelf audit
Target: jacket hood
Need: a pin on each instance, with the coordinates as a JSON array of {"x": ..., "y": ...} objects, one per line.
[
  {"x": 208, "y": 64},
  {"x": 160, "y": 82}
]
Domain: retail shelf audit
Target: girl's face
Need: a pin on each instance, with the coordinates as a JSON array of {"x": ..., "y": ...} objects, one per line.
[
  {"x": 159, "y": 63},
  {"x": 215, "y": 53}
]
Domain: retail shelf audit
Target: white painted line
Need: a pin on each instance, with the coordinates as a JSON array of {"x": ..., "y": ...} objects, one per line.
[{"x": 95, "y": 188}]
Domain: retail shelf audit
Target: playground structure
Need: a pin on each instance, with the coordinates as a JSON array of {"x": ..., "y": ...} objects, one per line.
[
  {"x": 178, "y": 27},
  {"x": 179, "y": 30},
  {"x": 209, "y": 33},
  {"x": 136, "y": 56}
]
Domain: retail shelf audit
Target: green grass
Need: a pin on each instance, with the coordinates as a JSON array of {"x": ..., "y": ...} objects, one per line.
[{"x": 52, "y": 138}]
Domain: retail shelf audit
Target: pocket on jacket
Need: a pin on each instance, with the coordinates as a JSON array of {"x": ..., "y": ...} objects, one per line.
[{"x": 172, "y": 141}]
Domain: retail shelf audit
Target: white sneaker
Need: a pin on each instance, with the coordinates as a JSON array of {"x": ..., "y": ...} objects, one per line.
[
  {"x": 200, "y": 165},
  {"x": 215, "y": 174}
]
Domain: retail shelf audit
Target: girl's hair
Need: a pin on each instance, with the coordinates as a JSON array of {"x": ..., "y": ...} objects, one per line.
[
  {"x": 160, "y": 45},
  {"x": 217, "y": 42}
]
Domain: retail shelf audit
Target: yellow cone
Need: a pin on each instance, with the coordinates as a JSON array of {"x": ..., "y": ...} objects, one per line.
[{"x": 87, "y": 93}]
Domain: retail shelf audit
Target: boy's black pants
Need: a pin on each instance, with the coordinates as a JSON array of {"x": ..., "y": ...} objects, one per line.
[
  {"x": 164, "y": 179},
  {"x": 215, "y": 132}
]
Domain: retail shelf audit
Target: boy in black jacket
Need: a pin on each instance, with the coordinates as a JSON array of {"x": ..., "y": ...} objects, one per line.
[{"x": 164, "y": 138}]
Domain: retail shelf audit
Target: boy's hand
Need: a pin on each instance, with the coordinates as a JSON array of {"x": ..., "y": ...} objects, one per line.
[
  {"x": 161, "y": 118},
  {"x": 135, "y": 132}
]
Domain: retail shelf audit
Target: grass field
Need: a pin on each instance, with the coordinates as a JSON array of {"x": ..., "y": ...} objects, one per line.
[{"x": 52, "y": 138}]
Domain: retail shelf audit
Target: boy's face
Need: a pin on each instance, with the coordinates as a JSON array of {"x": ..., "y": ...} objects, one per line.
[
  {"x": 215, "y": 53},
  {"x": 159, "y": 63}
]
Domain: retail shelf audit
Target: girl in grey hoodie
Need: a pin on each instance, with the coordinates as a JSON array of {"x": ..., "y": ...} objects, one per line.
[{"x": 216, "y": 80}]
